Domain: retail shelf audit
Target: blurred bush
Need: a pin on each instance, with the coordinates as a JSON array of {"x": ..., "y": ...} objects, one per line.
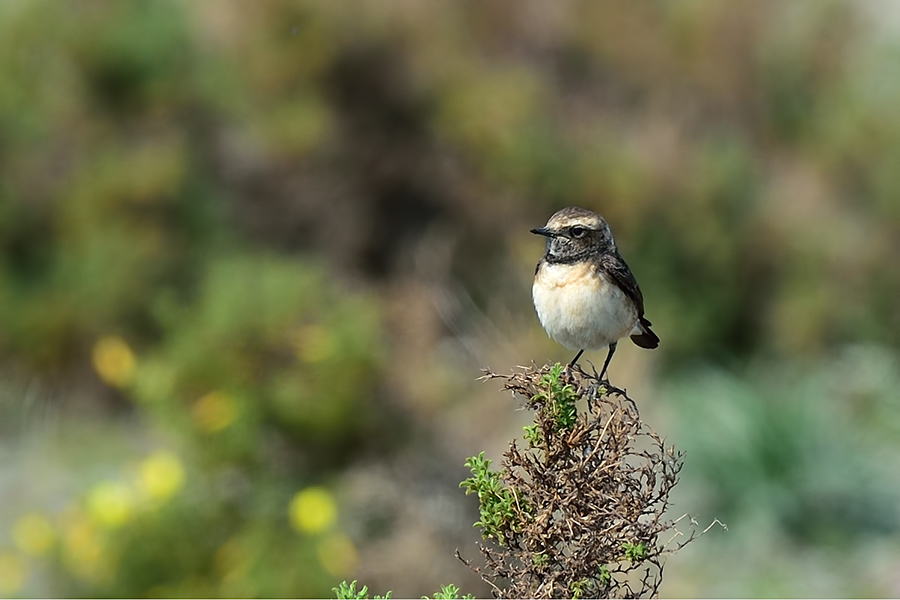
[
  {"x": 792, "y": 459},
  {"x": 140, "y": 140},
  {"x": 252, "y": 233},
  {"x": 266, "y": 382}
]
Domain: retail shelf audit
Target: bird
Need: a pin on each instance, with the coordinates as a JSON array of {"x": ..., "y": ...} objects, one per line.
[{"x": 585, "y": 295}]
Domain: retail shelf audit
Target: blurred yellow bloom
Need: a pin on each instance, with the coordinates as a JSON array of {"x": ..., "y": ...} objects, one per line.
[
  {"x": 84, "y": 554},
  {"x": 33, "y": 534},
  {"x": 161, "y": 475},
  {"x": 13, "y": 571},
  {"x": 312, "y": 510},
  {"x": 313, "y": 343},
  {"x": 114, "y": 361},
  {"x": 110, "y": 503},
  {"x": 214, "y": 412},
  {"x": 337, "y": 554}
]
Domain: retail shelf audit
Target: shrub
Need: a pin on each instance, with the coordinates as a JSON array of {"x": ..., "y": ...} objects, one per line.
[{"x": 581, "y": 510}]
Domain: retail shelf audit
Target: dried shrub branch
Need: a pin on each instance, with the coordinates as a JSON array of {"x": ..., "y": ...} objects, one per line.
[{"x": 580, "y": 511}]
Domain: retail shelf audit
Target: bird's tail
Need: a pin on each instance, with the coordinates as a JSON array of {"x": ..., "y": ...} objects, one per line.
[{"x": 643, "y": 336}]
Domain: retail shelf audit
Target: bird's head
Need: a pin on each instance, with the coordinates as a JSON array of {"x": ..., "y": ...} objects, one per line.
[{"x": 574, "y": 232}]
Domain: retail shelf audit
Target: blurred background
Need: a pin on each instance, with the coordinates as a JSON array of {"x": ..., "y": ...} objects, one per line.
[{"x": 253, "y": 257}]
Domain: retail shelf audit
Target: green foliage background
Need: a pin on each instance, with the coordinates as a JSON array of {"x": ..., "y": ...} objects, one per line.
[{"x": 253, "y": 254}]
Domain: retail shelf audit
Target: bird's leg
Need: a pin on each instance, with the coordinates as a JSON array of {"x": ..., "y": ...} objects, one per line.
[
  {"x": 571, "y": 364},
  {"x": 575, "y": 360},
  {"x": 612, "y": 350}
]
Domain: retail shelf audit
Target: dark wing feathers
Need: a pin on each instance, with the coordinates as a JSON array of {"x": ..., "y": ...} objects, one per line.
[
  {"x": 615, "y": 266},
  {"x": 646, "y": 339}
]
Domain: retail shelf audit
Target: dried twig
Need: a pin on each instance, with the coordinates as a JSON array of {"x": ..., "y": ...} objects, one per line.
[{"x": 591, "y": 492}]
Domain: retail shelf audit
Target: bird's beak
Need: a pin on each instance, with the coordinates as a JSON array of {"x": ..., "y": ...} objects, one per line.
[{"x": 543, "y": 231}]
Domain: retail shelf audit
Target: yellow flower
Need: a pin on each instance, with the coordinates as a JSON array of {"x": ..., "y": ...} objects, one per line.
[
  {"x": 13, "y": 572},
  {"x": 214, "y": 412},
  {"x": 33, "y": 534},
  {"x": 114, "y": 361},
  {"x": 161, "y": 475},
  {"x": 312, "y": 510},
  {"x": 84, "y": 554},
  {"x": 337, "y": 554},
  {"x": 110, "y": 503}
]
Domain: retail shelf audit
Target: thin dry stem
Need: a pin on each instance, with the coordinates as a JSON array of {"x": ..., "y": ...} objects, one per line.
[{"x": 594, "y": 496}]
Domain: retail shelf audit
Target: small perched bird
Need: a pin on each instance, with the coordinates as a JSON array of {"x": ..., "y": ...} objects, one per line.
[{"x": 585, "y": 295}]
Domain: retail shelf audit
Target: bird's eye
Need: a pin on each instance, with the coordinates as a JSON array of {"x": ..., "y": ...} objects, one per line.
[{"x": 578, "y": 231}]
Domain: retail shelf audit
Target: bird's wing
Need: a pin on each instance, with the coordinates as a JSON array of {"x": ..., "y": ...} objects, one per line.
[{"x": 617, "y": 269}]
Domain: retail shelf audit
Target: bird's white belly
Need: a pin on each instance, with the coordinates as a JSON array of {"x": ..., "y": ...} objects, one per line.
[{"x": 580, "y": 308}]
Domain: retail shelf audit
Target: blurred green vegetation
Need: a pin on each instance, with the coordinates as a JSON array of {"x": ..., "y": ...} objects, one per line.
[{"x": 251, "y": 254}]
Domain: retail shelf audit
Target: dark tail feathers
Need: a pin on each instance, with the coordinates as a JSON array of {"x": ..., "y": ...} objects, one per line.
[{"x": 646, "y": 339}]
